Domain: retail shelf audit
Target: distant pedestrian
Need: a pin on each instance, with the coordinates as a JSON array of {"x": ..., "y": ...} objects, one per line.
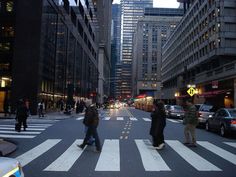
[
  {"x": 41, "y": 108},
  {"x": 158, "y": 124},
  {"x": 6, "y": 107},
  {"x": 91, "y": 120},
  {"x": 21, "y": 115},
  {"x": 190, "y": 121}
]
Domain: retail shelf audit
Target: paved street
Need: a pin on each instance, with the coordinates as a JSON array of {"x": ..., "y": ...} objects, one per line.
[{"x": 48, "y": 149}]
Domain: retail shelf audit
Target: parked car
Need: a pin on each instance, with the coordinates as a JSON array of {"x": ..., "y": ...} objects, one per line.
[
  {"x": 223, "y": 121},
  {"x": 175, "y": 111},
  {"x": 204, "y": 112},
  {"x": 10, "y": 168}
]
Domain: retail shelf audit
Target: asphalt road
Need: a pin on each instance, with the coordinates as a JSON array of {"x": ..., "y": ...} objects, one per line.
[{"x": 49, "y": 149}]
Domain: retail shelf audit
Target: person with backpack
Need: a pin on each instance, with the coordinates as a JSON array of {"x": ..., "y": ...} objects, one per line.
[{"x": 91, "y": 121}]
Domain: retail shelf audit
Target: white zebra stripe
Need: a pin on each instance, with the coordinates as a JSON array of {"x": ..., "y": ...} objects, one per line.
[
  {"x": 16, "y": 136},
  {"x": 151, "y": 159},
  {"x": 80, "y": 118},
  {"x": 109, "y": 159},
  {"x": 67, "y": 159},
  {"x": 219, "y": 151},
  {"x": 107, "y": 118},
  {"x": 191, "y": 157},
  {"x": 13, "y": 128},
  {"x": 133, "y": 118},
  {"x": 147, "y": 119},
  {"x": 231, "y": 144},
  {"x": 20, "y": 133},
  {"x": 120, "y": 118},
  {"x": 32, "y": 154}
]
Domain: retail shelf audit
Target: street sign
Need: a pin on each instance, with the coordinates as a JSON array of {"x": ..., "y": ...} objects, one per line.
[{"x": 191, "y": 91}]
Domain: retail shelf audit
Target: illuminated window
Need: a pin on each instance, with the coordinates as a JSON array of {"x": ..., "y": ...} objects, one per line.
[
  {"x": 5, "y": 46},
  {"x": 9, "y": 6}
]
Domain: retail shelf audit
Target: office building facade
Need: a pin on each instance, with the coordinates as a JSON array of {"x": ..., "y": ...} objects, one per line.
[
  {"x": 48, "y": 51},
  {"x": 202, "y": 53},
  {"x": 151, "y": 34},
  {"x": 131, "y": 11},
  {"x": 115, "y": 44}
]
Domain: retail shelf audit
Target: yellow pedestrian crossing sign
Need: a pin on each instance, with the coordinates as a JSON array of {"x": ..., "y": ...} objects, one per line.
[{"x": 191, "y": 91}]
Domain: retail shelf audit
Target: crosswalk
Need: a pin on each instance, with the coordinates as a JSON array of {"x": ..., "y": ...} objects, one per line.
[
  {"x": 34, "y": 129},
  {"x": 118, "y": 118},
  {"x": 110, "y": 157}
]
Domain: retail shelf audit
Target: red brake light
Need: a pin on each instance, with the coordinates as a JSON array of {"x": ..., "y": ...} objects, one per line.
[
  {"x": 233, "y": 121},
  {"x": 199, "y": 114}
]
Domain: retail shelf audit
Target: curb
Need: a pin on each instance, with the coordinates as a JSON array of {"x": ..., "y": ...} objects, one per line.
[{"x": 6, "y": 147}]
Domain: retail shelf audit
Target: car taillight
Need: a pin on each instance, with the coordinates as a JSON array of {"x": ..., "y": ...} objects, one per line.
[
  {"x": 233, "y": 121},
  {"x": 199, "y": 114}
]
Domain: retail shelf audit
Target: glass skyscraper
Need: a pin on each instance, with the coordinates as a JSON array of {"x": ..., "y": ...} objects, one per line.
[{"x": 131, "y": 11}]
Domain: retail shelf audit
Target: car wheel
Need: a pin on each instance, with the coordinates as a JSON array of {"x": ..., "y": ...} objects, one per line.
[
  {"x": 207, "y": 127},
  {"x": 222, "y": 130}
]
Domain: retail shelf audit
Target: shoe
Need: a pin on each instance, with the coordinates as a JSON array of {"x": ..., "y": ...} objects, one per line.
[
  {"x": 80, "y": 146},
  {"x": 98, "y": 150},
  {"x": 161, "y": 146},
  {"x": 186, "y": 143},
  {"x": 192, "y": 145}
]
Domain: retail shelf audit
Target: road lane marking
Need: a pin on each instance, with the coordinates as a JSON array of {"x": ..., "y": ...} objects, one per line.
[
  {"x": 231, "y": 144},
  {"x": 67, "y": 159},
  {"x": 20, "y": 133},
  {"x": 151, "y": 159},
  {"x": 29, "y": 126},
  {"x": 13, "y": 128},
  {"x": 191, "y": 157},
  {"x": 133, "y": 118},
  {"x": 80, "y": 118},
  {"x": 219, "y": 151},
  {"x": 109, "y": 159},
  {"x": 107, "y": 118},
  {"x": 32, "y": 154},
  {"x": 147, "y": 119},
  {"x": 16, "y": 136},
  {"x": 174, "y": 121},
  {"x": 120, "y": 118}
]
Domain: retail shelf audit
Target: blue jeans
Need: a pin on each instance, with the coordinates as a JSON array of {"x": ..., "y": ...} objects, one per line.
[{"x": 92, "y": 131}]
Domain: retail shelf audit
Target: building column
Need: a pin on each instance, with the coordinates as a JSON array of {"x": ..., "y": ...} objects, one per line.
[
  {"x": 101, "y": 75},
  {"x": 235, "y": 92}
]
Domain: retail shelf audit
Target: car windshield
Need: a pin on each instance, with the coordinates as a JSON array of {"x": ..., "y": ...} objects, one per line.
[
  {"x": 206, "y": 108},
  {"x": 197, "y": 106},
  {"x": 232, "y": 112},
  {"x": 178, "y": 108}
]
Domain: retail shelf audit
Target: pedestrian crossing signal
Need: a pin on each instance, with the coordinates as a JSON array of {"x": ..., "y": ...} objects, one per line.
[{"x": 191, "y": 91}]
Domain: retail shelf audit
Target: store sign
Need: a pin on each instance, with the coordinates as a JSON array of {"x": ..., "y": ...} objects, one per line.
[
  {"x": 214, "y": 84},
  {"x": 191, "y": 91}
]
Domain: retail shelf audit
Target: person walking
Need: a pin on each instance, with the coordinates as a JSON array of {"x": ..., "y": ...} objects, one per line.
[
  {"x": 21, "y": 115},
  {"x": 41, "y": 108},
  {"x": 190, "y": 121},
  {"x": 157, "y": 125},
  {"x": 91, "y": 120}
]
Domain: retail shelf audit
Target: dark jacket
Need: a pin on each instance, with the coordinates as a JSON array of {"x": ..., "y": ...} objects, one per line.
[
  {"x": 191, "y": 116},
  {"x": 21, "y": 112},
  {"x": 91, "y": 117},
  {"x": 158, "y": 121}
]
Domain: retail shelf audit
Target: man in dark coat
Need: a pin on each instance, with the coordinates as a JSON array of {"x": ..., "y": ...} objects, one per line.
[
  {"x": 21, "y": 115},
  {"x": 91, "y": 120},
  {"x": 157, "y": 125}
]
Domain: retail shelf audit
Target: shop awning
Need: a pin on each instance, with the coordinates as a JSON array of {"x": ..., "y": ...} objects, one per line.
[{"x": 213, "y": 93}]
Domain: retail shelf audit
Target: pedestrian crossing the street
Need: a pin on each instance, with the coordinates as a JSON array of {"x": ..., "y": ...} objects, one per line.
[
  {"x": 110, "y": 158},
  {"x": 34, "y": 129}
]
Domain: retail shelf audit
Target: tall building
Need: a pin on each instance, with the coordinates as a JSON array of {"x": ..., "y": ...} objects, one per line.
[
  {"x": 151, "y": 34},
  {"x": 202, "y": 53},
  {"x": 131, "y": 11},
  {"x": 104, "y": 17},
  {"x": 115, "y": 44},
  {"x": 48, "y": 51}
]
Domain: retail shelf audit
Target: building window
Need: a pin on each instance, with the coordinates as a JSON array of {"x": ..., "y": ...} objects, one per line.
[
  {"x": 9, "y": 6},
  {"x": 5, "y": 46}
]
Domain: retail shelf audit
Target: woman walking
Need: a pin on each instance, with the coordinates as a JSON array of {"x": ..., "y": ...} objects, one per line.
[{"x": 158, "y": 124}]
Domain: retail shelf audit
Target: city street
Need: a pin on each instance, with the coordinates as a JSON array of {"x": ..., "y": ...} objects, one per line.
[{"x": 48, "y": 148}]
